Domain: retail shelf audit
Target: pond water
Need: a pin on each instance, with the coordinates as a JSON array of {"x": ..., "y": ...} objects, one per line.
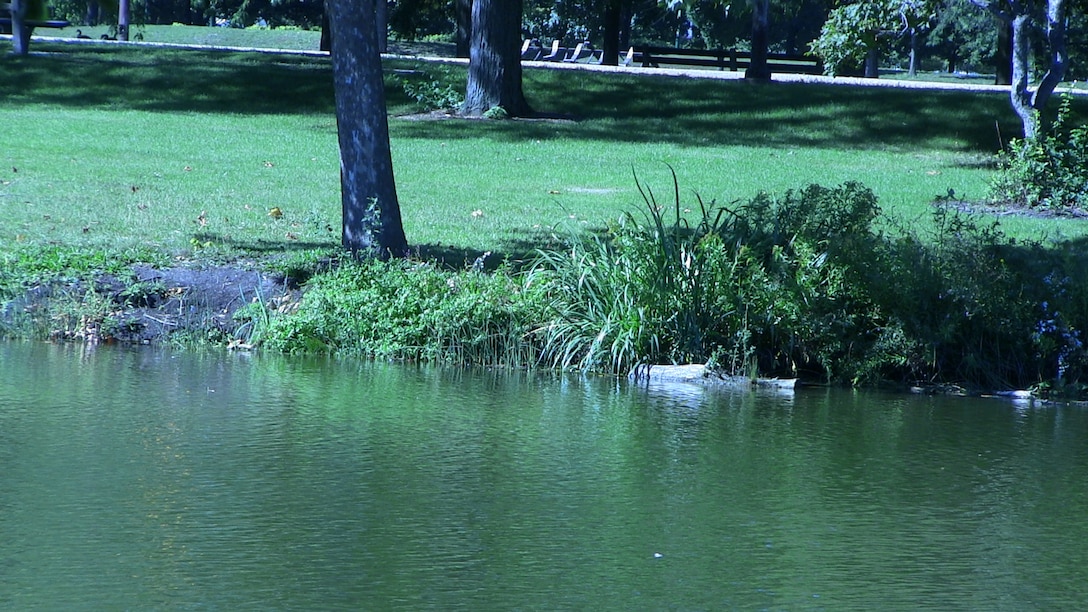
[{"x": 145, "y": 479}]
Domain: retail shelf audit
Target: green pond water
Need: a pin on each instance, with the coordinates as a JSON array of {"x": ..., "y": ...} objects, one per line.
[{"x": 148, "y": 480}]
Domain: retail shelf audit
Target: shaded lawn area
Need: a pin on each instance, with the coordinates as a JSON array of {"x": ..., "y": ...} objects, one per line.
[{"x": 185, "y": 152}]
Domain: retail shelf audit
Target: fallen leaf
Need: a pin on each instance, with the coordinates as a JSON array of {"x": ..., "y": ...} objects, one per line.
[
  {"x": 933, "y": 172},
  {"x": 275, "y": 212}
]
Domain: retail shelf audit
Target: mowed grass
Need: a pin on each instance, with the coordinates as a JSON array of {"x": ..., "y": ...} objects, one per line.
[{"x": 185, "y": 152}]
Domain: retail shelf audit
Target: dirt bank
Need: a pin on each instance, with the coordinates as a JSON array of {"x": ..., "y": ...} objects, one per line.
[{"x": 149, "y": 307}]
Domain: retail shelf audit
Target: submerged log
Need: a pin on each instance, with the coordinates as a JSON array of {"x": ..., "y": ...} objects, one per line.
[{"x": 700, "y": 374}]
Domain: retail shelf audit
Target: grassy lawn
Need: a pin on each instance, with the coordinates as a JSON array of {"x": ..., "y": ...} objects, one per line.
[{"x": 184, "y": 152}]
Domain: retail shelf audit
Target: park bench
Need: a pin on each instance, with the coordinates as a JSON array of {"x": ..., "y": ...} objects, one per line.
[
  {"x": 723, "y": 59},
  {"x": 36, "y": 19}
]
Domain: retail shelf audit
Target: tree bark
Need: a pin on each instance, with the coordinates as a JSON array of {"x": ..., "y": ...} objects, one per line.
[
  {"x": 1055, "y": 37},
  {"x": 1019, "y": 94},
  {"x": 758, "y": 68},
  {"x": 1003, "y": 55},
  {"x": 463, "y": 37},
  {"x": 381, "y": 22},
  {"x": 494, "y": 66},
  {"x": 122, "y": 19},
  {"x": 325, "y": 44},
  {"x": 371, "y": 213},
  {"x": 20, "y": 31},
  {"x": 872, "y": 63},
  {"x": 610, "y": 46}
]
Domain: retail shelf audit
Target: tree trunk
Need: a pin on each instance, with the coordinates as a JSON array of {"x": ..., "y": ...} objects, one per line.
[
  {"x": 463, "y": 37},
  {"x": 915, "y": 43},
  {"x": 494, "y": 66},
  {"x": 1055, "y": 37},
  {"x": 872, "y": 63},
  {"x": 381, "y": 21},
  {"x": 610, "y": 46},
  {"x": 326, "y": 32},
  {"x": 758, "y": 68},
  {"x": 122, "y": 19},
  {"x": 1003, "y": 55},
  {"x": 1019, "y": 94},
  {"x": 371, "y": 213},
  {"x": 20, "y": 32}
]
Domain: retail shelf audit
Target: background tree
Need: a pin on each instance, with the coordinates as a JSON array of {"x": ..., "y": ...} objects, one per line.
[
  {"x": 371, "y": 213},
  {"x": 962, "y": 36},
  {"x": 494, "y": 66},
  {"x": 758, "y": 68},
  {"x": 1021, "y": 15},
  {"x": 861, "y": 32}
]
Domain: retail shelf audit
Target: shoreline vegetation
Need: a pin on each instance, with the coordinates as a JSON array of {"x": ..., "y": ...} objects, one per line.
[{"x": 806, "y": 231}]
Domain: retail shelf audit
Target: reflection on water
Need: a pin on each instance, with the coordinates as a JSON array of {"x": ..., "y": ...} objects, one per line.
[{"x": 142, "y": 479}]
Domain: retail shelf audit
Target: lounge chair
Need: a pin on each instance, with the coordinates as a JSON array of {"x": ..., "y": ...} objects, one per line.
[
  {"x": 581, "y": 52},
  {"x": 531, "y": 50},
  {"x": 557, "y": 53}
]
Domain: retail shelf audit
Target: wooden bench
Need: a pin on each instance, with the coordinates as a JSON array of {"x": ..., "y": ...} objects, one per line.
[{"x": 722, "y": 59}]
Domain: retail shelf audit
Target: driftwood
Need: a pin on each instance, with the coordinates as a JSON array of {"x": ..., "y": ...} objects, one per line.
[{"x": 700, "y": 374}]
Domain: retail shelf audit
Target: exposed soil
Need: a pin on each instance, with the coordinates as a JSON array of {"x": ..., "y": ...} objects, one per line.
[
  {"x": 157, "y": 304},
  {"x": 1012, "y": 211}
]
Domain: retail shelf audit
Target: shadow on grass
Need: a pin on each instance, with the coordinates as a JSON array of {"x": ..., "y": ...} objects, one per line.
[{"x": 611, "y": 107}]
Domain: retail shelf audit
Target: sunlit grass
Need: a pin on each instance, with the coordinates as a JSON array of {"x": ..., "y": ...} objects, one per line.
[{"x": 187, "y": 151}]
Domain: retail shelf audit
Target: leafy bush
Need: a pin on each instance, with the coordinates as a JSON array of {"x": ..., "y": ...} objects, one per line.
[
  {"x": 1048, "y": 172},
  {"x": 762, "y": 287},
  {"x": 409, "y": 310},
  {"x": 432, "y": 94}
]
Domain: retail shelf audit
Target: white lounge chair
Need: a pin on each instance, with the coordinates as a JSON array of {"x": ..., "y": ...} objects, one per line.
[{"x": 557, "y": 53}]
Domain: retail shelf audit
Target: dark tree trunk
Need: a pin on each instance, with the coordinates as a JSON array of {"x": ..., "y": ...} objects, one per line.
[
  {"x": 463, "y": 17},
  {"x": 626, "y": 9},
  {"x": 610, "y": 46},
  {"x": 381, "y": 21},
  {"x": 494, "y": 66},
  {"x": 326, "y": 32},
  {"x": 20, "y": 32},
  {"x": 872, "y": 63},
  {"x": 759, "y": 69},
  {"x": 1003, "y": 55},
  {"x": 371, "y": 213}
]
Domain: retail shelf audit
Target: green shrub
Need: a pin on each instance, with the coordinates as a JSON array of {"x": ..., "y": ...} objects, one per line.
[
  {"x": 432, "y": 94},
  {"x": 409, "y": 310},
  {"x": 764, "y": 286},
  {"x": 1048, "y": 172}
]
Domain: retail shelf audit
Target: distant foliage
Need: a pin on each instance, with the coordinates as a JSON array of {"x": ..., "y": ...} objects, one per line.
[{"x": 1047, "y": 172}]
